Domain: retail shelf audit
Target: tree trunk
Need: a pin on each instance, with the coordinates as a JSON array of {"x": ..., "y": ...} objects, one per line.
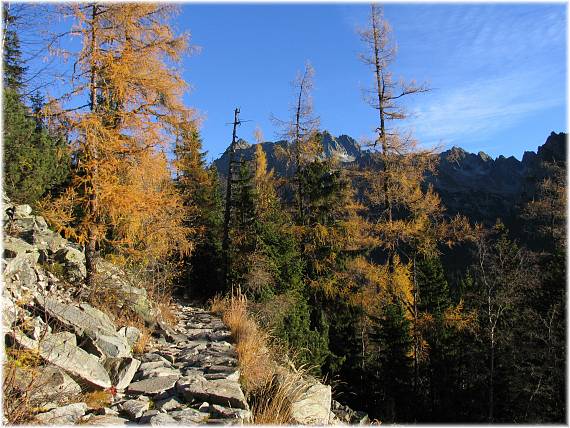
[
  {"x": 91, "y": 245},
  {"x": 227, "y": 212}
]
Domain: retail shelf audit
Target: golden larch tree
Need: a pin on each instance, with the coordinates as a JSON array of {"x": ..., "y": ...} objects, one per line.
[
  {"x": 408, "y": 218},
  {"x": 122, "y": 110}
]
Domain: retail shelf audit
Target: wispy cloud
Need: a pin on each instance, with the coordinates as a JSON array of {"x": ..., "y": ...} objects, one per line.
[{"x": 477, "y": 109}]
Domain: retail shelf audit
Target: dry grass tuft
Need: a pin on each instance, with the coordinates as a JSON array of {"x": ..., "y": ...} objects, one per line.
[
  {"x": 270, "y": 388},
  {"x": 97, "y": 399}
]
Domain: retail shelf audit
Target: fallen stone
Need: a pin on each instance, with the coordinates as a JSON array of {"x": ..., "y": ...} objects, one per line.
[
  {"x": 189, "y": 416},
  {"x": 22, "y": 211},
  {"x": 104, "y": 345},
  {"x": 157, "y": 372},
  {"x": 145, "y": 418},
  {"x": 121, "y": 370},
  {"x": 215, "y": 391},
  {"x": 74, "y": 261},
  {"x": 153, "y": 385},
  {"x": 101, "y": 339},
  {"x": 82, "y": 319},
  {"x": 160, "y": 419},
  {"x": 228, "y": 413},
  {"x": 106, "y": 420},
  {"x": 65, "y": 415},
  {"x": 134, "y": 409},
  {"x": 60, "y": 350},
  {"x": 151, "y": 357},
  {"x": 132, "y": 334},
  {"x": 168, "y": 404},
  {"x": 53, "y": 384},
  {"x": 153, "y": 365},
  {"x": 313, "y": 407}
]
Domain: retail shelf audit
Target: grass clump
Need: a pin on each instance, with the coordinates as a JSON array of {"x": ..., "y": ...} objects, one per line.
[{"x": 269, "y": 378}]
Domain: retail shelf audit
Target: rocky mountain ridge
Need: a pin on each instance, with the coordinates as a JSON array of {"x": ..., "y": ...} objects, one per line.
[{"x": 476, "y": 185}]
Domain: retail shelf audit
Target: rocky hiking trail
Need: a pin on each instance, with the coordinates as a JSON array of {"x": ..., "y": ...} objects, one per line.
[
  {"x": 68, "y": 362},
  {"x": 190, "y": 377}
]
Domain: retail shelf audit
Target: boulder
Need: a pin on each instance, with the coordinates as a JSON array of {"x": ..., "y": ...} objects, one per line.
[
  {"x": 106, "y": 420},
  {"x": 313, "y": 407},
  {"x": 46, "y": 240},
  {"x": 9, "y": 313},
  {"x": 160, "y": 419},
  {"x": 60, "y": 350},
  {"x": 221, "y": 391},
  {"x": 136, "y": 299},
  {"x": 228, "y": 413},
  {"x": 107, "y": 345},
  {"x": 189, "y": 416},
  {"x": 83, "y": 319},
  {"x": 66, "y": 415},
  {"x": 132, "y": 334},
  {"x": 121, "y": 370},
  {"x": 168, "y": 404},
  {"x": 134, "y": 409},
  {"x": 20, "y": 258},
  {"x": 53, "y": 385},
  {"x": 152, "y": 385},
  {"x": 22, "y": 211},
  {"x": 74, "y": 261},
  {"x": 100, "y": 337}
]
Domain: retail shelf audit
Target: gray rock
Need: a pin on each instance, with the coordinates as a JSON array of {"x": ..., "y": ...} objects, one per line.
[
  {"x": 134, "y": 409},
  {"x": 153, "y": 365},
  {"x": 151, "y": 357},
  {"x": 60, "y": 350},
  {"x": 160, "y": 419},
  {"x": 106, "y": 420},
  {"x": 228, "y": 413},
  {"x": 216, "y": 421},
  {"x": 46, "y": 240},
  {"x": 53, "y": 384},
  {"x": 121, "y": 370},
  {"x": 108, "y": 345},
  {"x": 65, "y": 415},
  {"x": 145, "y": 418},
  {"x": 22, "y": 211},
  {"x": 85, "y": 320},
  {"x": 190, "y": 416},
  {"x": 168, "y": 404},
  {"x": 216, "y": 391},
  {"x": 153, "y": 385},
  {"x": 169, "y": 333},
  {"x": 132, "y": 334},
  {"x": 157, "y": 372},
  {"x": 9, "y": 313},
  {"x": 74, "y": 261},
  {"x": 313, "y": 407}
]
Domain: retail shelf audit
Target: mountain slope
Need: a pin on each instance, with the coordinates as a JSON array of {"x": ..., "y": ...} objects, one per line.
[{"x": 472, "y": 184}]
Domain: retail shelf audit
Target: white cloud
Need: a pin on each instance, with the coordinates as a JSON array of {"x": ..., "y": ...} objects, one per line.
[{"x": 479, "y": 108}]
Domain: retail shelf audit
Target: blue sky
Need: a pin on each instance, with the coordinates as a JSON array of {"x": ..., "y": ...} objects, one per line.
[{"x": 498, "y": 71}]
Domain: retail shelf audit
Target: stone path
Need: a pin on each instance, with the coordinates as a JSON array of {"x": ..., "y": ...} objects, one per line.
[{"x": 190, "y": 377}]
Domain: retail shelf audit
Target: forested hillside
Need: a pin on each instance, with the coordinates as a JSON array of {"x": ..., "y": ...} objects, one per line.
[{"x": 422, "y": 286}]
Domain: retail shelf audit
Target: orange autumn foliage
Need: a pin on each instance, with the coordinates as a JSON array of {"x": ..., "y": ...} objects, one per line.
[{"x": 121, "y": 196}]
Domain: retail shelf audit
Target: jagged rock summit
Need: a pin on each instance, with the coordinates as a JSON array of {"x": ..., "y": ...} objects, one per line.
[{"x": 475, "y": 185}]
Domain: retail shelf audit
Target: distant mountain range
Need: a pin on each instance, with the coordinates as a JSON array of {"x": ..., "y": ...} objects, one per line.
[{"x": 472, "y": 184}]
